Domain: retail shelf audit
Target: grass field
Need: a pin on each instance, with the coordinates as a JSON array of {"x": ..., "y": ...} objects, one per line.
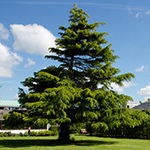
[{"x": 81, "y": 143}]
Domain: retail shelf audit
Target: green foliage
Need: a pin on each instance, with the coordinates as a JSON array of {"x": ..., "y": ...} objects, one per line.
[
  {"x": 54, "y": 129},
  {"x": 33, "y": 133},
  {"x": 44, "y": 133},
  {"x": 124, "y": 117},
  {"x": 69, "y": 94},
  {"x": 126, "y": 123},
  {"x": 80, "y": 47},
  {"x": 14, "y": 119},
  {"x": 7, "y": 134}
]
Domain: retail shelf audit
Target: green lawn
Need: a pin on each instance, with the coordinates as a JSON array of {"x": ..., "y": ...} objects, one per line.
[{"x": 81, "y": 143}]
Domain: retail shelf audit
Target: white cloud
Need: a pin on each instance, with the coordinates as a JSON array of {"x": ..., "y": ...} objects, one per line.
[
  {"x": 118, "y": 88},
  {"x": 138, "y": 14},
  {"x": 16, "y": 97},
  {"x": 140, "y": 69},
  {"x": 4, "y": 34},
  {"x": 148, "y": 12},
  {"x": 146, "y": 99},
  {"x": 8, "y": 60},
  {"x": 144, "y": 91},
  {"x": 30, "y": 63},
  {"x": 33, "y": 39},
  {"x": 132, "y": 104},
  {"x": 10, "y": 89}
]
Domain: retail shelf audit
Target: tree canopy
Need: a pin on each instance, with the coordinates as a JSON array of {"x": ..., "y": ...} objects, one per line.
[
  {"x": 86, "y": 53},
  {"x": 79, "y": 90}
]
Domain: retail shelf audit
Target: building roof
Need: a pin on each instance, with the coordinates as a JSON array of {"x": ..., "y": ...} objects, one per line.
[
  {"x": 143, "y": 106},
  {"x": 9, "y": 103}
]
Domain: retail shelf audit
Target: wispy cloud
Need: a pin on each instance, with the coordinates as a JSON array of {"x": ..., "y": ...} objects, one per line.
[
  {"x": 43, "y": 3},
  {"x": 140, "y": 69},
  {"x": 9, "y": 82},
  {"x": 116, "y": 87},
  {"x": 116, "y": 6},
  {"x": 30, "y": 63},
  {"x": 4, "y": 33},
  {"x": 103, "y": 5},
  {"x": 148, "y": 12},
  {"x": 138, "y": 14}
]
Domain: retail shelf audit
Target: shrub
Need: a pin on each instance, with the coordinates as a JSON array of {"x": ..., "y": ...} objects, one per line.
[
  {"x": 6, "y": 134},
  {"x": 54, "y": 129},
  {"x": 33, "y": 133},
  {"x": 44, "y": 133},
  {"x": 25, "y": 134}
]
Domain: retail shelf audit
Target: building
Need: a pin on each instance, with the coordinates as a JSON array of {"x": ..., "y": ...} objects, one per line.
[
  {"x": 6, "y": 106},
  {"x": 143, "y": 106}
]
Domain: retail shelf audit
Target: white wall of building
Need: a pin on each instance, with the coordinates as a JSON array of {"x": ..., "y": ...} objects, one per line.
[{"x": 21, "y": 131}]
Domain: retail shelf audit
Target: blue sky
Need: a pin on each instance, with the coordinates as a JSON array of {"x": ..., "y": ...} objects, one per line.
[{"x": 28, "y": 28}]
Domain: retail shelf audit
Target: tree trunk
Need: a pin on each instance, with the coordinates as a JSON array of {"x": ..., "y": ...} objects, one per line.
[
  {"x": 71, "y": 62},
  {"x": 64, "y": 132}
]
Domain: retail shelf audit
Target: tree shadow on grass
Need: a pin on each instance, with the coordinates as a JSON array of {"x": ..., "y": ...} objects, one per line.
[
  {"x": 48, "y": 142},
  {"x": 93, "y": 143}
]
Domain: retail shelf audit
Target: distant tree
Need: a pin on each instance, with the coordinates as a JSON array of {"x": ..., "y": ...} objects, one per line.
[
  {"x": 70, "y": 94},
  {"x": 15, "y": 119}
]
